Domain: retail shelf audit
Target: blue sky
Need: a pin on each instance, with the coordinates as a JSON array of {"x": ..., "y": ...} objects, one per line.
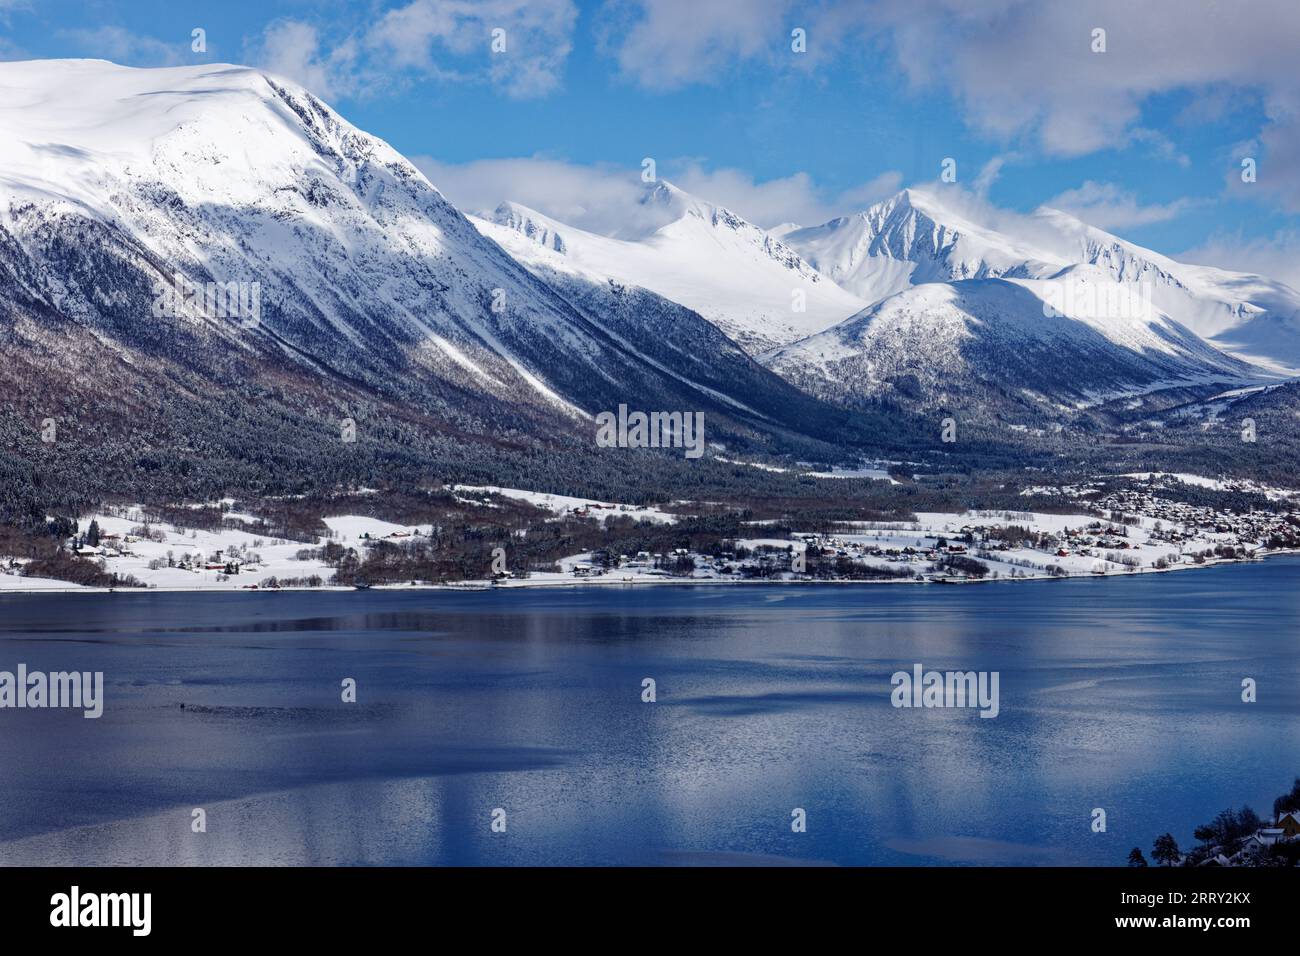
[{"x": 1144, "y": 139}]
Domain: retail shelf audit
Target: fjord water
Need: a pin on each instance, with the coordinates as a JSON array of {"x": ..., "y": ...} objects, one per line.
[{"x": 1123, "y": 694}]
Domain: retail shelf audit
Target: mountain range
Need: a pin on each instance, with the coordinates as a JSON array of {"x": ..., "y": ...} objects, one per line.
[
  {"x": 745, "y": 281},
  {"x": 379, "y": 303},
  {"x": 1038, "y": 322},
  {"x": 461, "y": 342},
  {"x": 915, "y": 237}
]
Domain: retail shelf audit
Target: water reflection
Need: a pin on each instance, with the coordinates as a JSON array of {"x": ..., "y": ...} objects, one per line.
[{"x": 1122, "y": 694}]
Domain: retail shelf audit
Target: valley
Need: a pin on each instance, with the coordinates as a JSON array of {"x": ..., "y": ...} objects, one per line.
[{"x": 388, "y": 340}]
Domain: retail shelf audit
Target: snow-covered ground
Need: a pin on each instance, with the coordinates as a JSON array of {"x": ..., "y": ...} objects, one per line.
[
  {"x": 565, "y": 504},
  {"x": 697, "y": 254},
  {"x": 1272, "y": 492},
  {"x": 1015, "y": 562},
  {"x": 13, "y": 582},
  {"x": 182, "y": 556},
  {"x": 277, "y": 556},
  {"x": 351, "y": 529},
  {"x": 873, "y": 469},
  {"x": 870, "y": 470}
]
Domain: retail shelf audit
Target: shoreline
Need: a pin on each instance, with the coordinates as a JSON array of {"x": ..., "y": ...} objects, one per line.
[{"x": 517, "y": 584}]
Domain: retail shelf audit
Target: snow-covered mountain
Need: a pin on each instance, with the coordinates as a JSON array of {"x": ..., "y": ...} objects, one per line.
[
  {"x": 916, "y": 237},
  {"x": 911, "y": 239},
  {"x": 1008, "y": 347},
  {"x": 370, "y": 286},
  {"x": 744, "y": 280},
  {"x": 676, "y": 339},
  {"x": 1249, "y": 315}
]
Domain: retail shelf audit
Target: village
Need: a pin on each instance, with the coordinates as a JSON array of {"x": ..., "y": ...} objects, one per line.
[
  {"x": 1257, "y": 847},
  {"x": 1235, "y": 838},
  {"x": 1123, "y": 532},
  {"x": 1138, "y": 529}
]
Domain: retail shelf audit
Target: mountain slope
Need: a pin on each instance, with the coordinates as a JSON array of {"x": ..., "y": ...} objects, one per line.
[
  {"x": 375, "y": 296},
  {"x": 1021, "y": 348},
  {"x": 916, "y": 237},
  {"x": 910, "y": 239},
  {"x": 1248, "y": 315},
  {"x": 674, "y": 338},
  {"x": 706, "y": 258}
]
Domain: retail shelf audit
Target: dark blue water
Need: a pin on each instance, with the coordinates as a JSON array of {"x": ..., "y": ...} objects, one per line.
[{"x": 1123, "y": 694}]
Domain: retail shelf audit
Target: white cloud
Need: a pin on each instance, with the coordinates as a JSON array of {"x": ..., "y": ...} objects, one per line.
[
  {"x": 1025, "y": 68},
  {"x": 132, "y": 49},
  {"x": 1108, "y": 206},
  {"x": 1022, "y": 71},
  {"x": 450, "y": 41},
  {"x": 454, "y": 39},
  {"x": 1276, "y": 256},
  {"x": 796, "y": 198},
  {"x": 667, "y": 44},
  {"x": 599, "y": 198},
  {"x": 293, "y": 49},
  {"x": 604, "y": 198},
  {"x": 991, "y": 171},
  {"x": 1028, "y": 65}
]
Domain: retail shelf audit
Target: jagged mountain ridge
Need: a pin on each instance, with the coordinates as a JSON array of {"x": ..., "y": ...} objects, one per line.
[
  {"x": 742, "y": 279},
  {"x": 1094, "y": 328},
  {"x": 1005, "y": 347},
  {"x": 917, "y": 237}
]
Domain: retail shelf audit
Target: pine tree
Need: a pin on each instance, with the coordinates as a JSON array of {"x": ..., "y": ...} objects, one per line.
[{"x": 1165, "y": 850}]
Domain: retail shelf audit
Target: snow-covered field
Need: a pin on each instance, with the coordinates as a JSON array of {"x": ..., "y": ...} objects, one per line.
[
  {"x": 565, "y": 504},
  {"x": 277, "y": 557},
  {"x": 874, "y": 470},
  {"x": 1272, "y": 492},
  {"x": 185, "y": 559},
  {"x": 1022, "y": 562},
  {"x": 351, "y": 529}
]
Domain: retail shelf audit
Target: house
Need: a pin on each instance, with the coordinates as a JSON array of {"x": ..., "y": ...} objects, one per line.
[
  {"x": 1262, "y": 839},
  {"x": 1289, "y": 824}
]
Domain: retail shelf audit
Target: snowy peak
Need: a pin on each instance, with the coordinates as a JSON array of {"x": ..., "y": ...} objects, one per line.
[
  {"x": 1030, "y": 348},
  {"x": 694, "y": 218},
  {"x": 1043, "y": 315},
  {"x": 116, "y": 183},
  {"x": 1249, "y": 315},
  {"x": 908, "y": 239},
  {"x": 530, "y": 224},
  {"x": 701, "y": 255},
  {"x": 217, "y": 133},
  {"x": 917, "y": 237}
]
